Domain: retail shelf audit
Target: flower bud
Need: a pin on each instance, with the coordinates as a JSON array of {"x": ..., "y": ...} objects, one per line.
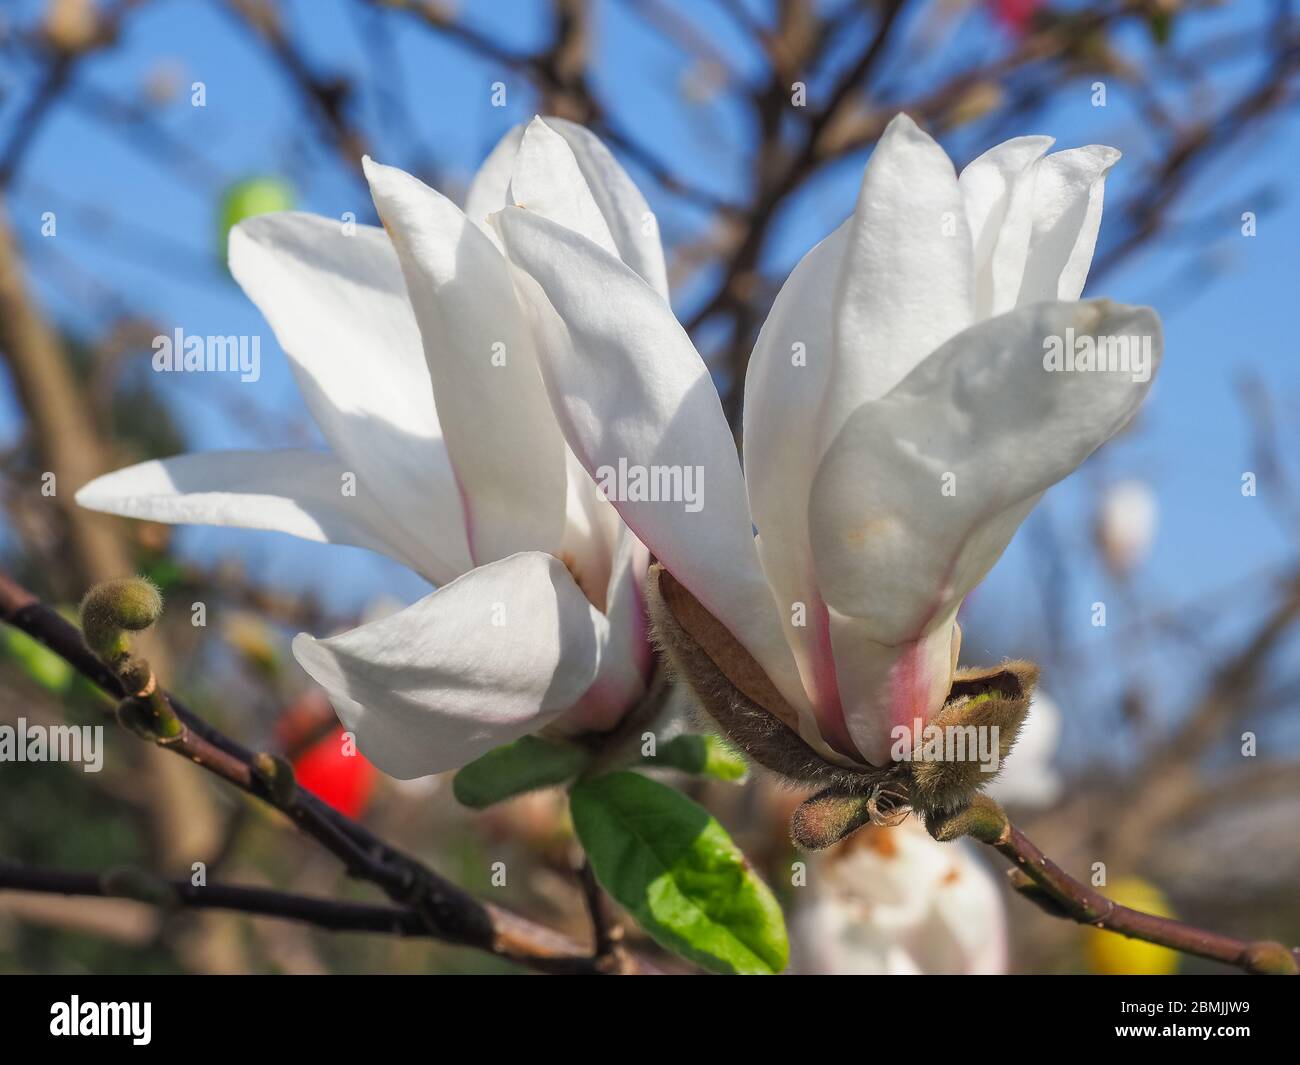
[{"x": 113, "y": 608}]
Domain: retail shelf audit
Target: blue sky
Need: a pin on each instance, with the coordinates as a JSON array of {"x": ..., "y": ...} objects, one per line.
[{"x": 159, "y": 257}]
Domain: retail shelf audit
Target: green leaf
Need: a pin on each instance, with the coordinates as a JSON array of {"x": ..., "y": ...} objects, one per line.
[
  {"x": 675, "y": 869},
  {"x": 702, "y": 755},
  {"x": 525, "y": 765}
]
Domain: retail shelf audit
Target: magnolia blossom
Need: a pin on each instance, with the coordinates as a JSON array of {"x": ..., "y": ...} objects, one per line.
[
  {"x": 1126, "y": 525},
  {"x": 900, "y": 421},
  {"x": 892, "y": 901},
  {"x": 1030, "y": 780},
  {"x": 419, "y": 366}
]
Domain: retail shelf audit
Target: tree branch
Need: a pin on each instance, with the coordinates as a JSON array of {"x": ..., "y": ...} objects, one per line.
[
  {"x": 1045, "y": 883},
  {"x": 449, "y": 913}
]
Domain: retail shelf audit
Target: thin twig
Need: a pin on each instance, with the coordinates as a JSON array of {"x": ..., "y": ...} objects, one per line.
[{"x": 329, "y": 914}]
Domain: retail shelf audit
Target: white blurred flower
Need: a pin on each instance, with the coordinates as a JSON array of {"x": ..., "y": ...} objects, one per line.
[
  {"x": 1028, "y": 778},
  {"x": 418, "y": 364},
  {"x": 900, "y": 420},
  {"x": 1126, "y": 525},
  {"x": 892, "y": 901}
]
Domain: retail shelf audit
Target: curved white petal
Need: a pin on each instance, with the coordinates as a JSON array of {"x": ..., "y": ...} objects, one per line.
[
  {"x": 490, "y": 189},
  {"x": 505, "y": 447},
  {"x": 548, "y": 181},
  {"x": 785, "y": 385},
  {"x": 295, "y": 492},
  {"x": 1069, "y": 190},
  {"x": 998, "y": 191},
  {"x": 493, "y": 656},
  {"x": 628, "y": 386},
  {"x": 905, "y": 285},
  {"x": 338, "y": 306},
  {"x": 631, "y": 222},
  {"x": 923, "y": 489}
]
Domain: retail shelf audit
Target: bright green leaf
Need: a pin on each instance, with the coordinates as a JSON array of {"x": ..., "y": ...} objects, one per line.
[
  {"x": 675, "y": 869},
  {"x": 702, "y": 755},
  {"x": 525, "y": 765}
]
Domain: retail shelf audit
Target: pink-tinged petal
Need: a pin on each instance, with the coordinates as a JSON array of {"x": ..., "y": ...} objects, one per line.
[
  {"x": 336, "y": 301},
  {"x": 296, "y": 492},
  {"x": 998, "y": 191},
  {"x": 505, "y": 447},
  {"x": 626, "y": 659},
  {"x": 905, "y": 284},
  {"x": 1069, "y": 190},
  {"x": 628, "y": 386},
  {"x": 886, "y": 686},
  {"x": 785, "y": 386},
  {"x": 495, "y": 655}
]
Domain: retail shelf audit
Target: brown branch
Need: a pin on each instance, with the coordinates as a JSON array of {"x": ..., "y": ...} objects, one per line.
[
  {"x": 1044, "y": 882},
  {"x": 328, "y": 914},
  {"x": 450, "y": 914}
]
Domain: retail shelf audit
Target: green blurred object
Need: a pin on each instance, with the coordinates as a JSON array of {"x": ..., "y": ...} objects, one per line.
[
  {"x": 702, "y": 755},
  {"x": 247, "y": 198},
  {"x": 38, "y": 661},
  {"x": 525, "y": 765}
]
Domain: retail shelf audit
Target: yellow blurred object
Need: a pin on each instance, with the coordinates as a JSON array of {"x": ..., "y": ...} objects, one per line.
[{"x": 1112, "y": 954}]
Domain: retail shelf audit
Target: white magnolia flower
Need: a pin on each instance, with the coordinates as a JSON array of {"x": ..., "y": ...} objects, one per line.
[
  {"x": 892, "y": 901},
  {"x": 1126, "y": 525},
  {"x": 1029, "y": 779},
  {"x": 900, "y": 418},
  {"x": 418, "y": 365}
]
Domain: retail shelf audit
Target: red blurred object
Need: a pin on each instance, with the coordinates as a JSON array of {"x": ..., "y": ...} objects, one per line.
[
  {"x": 1015, "y": 15},
  {"x": 344, "y": 781}
]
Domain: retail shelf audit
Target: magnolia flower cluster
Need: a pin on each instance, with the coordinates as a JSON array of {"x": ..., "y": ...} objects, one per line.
[{"x": 480, "y": 371}]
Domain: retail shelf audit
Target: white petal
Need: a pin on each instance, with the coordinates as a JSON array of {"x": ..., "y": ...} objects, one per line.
[
  {"x": 548, "y": 181},
  {"x": 628, "y": 385},
  {"x": 490, "y": 189},
  {"x": 493, "y": 656},
  {"x": 338, "y": 306},
  {"x": 905, "y": 286},
  {"x": 785, "y": 386},
  {"x": 1068, "y": 193},
  {"x": 295, "y": 492},
  {"x": 625, "y": 661},
  {"x": 505, "y": 447},
  {"x": 998, "y": 191},
  {"x": 631, "y": 222},
  {"x": 923, "y": 489}
]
